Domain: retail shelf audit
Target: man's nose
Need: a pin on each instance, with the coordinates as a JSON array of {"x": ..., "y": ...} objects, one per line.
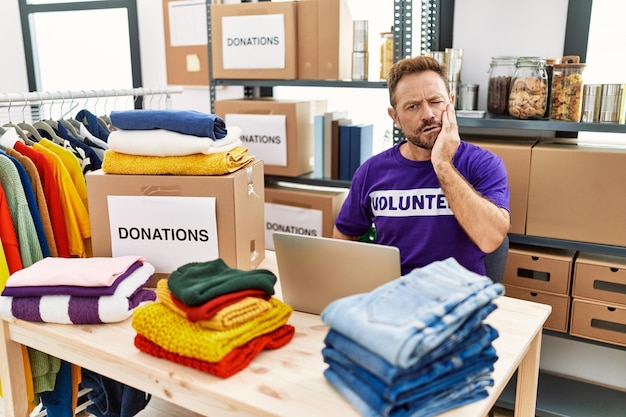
[{"x": 427, "y": 112}]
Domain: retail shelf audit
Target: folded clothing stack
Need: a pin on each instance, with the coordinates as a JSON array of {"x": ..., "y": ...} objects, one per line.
[
  {"x": 173, "y": 142},
  {"x": 213, "y": 318},
  {"x": 78, "y": 290},
  {"x": 416, "y": 346}
]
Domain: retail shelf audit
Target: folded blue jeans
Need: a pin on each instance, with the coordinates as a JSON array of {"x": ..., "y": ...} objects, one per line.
[
  {"x": 432, "y": 379},
  {"x": 473, "y": 332},
  {"x": 405, "y": 319},
  {"x": 477, "y": 356},
  {"x": 369, "y": 405}
]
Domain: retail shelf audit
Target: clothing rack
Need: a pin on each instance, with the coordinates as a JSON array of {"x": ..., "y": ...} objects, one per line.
[{"x": 38, "y": 97}]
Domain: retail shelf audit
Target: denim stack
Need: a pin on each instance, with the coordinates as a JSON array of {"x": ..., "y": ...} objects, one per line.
[{"x": 416, "y": 346}]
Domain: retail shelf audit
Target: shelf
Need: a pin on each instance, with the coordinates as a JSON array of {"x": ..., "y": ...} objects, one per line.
[
  {"x": 559, "y": 396},
  {"x": 309, "y": 179},
  {"x": 302, "y": 83},
  {"x": 568, "y": 244},
  {"x": 494, "y": 122}
]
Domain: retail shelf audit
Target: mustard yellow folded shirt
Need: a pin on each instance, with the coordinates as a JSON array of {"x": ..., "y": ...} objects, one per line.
[{"x": 228, "y": 317}]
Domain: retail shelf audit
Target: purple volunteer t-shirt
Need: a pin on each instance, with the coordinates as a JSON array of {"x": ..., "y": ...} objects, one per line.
[{"x": 404, "y": 201}]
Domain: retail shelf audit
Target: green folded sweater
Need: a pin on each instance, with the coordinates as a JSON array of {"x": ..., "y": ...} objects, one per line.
[{"x": 195, "y": 283}]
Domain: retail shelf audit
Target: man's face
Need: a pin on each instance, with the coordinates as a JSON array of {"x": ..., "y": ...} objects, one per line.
[{"x": 421, "y": 99}]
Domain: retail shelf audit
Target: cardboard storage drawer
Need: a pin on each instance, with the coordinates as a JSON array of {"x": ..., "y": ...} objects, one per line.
[
  {"x": 598, "y": 321},
  {"x": 600, "y": 277},
  {"x": 559, "y": 318},
  {"x": 542, "y": 269}
]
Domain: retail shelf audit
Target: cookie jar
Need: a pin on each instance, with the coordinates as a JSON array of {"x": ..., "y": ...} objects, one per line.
[
  {"x": 567, "y": 90},
  {"x": 528, "y": 97},
  {"x": 501, "y": 71}
]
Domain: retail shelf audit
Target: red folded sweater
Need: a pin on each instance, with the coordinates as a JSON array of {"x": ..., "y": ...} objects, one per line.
[{"x": 236, "y": 360}]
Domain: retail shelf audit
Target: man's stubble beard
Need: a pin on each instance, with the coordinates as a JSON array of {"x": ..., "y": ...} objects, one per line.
[{"x": 421, "y": 139}]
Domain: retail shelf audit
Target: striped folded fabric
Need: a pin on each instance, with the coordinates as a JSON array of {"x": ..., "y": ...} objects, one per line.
[{"x": 68, "y": 309}]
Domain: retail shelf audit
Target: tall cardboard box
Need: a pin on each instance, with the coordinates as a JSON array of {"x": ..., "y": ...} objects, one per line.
[
  {"x": 325, "y": 37},
  {"x": 516, "y": 154},
  {"x": 576, "y": 192},
  {"x": 254, "y": 40},
  {"x": 335, "y": 37},
  {"x": 280, "y": 132},
  {"x": 307, "y": 30},
  {"x": 302, "y": 210},
  {"x": 151, "y": 212}
]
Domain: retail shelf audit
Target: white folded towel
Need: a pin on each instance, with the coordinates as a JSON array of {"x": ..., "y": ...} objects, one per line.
[{"x": 162, "y": 142}]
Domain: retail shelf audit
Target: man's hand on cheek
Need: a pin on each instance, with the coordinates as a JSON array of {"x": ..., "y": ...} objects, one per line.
[{"x": 448, "y": 140}]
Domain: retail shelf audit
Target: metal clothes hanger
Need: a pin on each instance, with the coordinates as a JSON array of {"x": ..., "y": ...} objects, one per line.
[
  {"x": 10, "y": 123},
  {"x": 33, "y": 134},
  {"x": 48, "y": 127},
  {"x": 104, "y": 120},
  {"x": 67, "y": 122}
]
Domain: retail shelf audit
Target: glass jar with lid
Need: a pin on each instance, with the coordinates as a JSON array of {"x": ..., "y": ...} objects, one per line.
[
  {"x": 567, "y": 90},
  {"x": 501, "y": 72},
  {"x": 529, "y": 89},
  {"x": 386, "y": 53},
  {"x": 550, "y": 71}
]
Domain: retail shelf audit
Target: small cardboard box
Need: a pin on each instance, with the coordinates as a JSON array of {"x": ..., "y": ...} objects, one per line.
[
  {"x": 542, "y": 269},
  {"x": 598, "y": 321},
  {"x": 600, "y": 277},
  {"x": 302, "y": 210},
  {"x": 280, "y": 132},
  {"x": 254, "y": 40},
  {"x": 515, "y": 153},
  {"x": 576, "y": 193},
  {"x": 325, "y": 37},
  {"x": 558, "y": 319},
  {"x": 152, "y": 211}
]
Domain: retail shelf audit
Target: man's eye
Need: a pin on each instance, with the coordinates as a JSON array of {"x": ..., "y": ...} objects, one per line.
[{"x": 411, "y": 107}]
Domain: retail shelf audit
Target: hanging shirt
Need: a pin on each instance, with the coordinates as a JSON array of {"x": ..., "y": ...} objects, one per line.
[
  {"x": 32, "y": 205},
  {"x": 40, "y": 198},
  {"x": 74, "y": 211},
  {"x": 53, "y": 199},
  {"x": 72, "y": 165},
  {"x": 10, "y": 245},
  {"x": 30, "y": 250}
]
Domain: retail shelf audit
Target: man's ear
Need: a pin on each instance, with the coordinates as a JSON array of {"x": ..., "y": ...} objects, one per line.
[
  {"x": 452, "y": 98},
  {"x": 392, "y": 114}
]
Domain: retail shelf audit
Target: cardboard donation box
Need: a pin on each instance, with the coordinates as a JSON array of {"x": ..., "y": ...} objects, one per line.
[
  {"x": 541, "y": 275},
  {"x": 280, "y": 132},
  {"x": 558, "y": 320},
  {"x": 324, "y": 40},
  {"x": 301, "y": 210},
  {"x": 174, "y": 220},
  {"x": 576, "y": 193},
  {"x": 600, "y": 277},
  {"x": 543, "y": 269},
  {"x": 515, "y": 153},
  {"x": 254, "y": 40},
  {"x": 599, "y": 321}
]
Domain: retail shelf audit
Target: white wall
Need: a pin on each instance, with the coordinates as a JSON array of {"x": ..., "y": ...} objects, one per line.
[
  {"x": 488, "y": 28},
  {"x": 483, "y": 28}
]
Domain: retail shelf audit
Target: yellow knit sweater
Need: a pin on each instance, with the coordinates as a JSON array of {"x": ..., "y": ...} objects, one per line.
[
  {"x": 233, "y": 315},
  {"x": 174, "y": 333}
]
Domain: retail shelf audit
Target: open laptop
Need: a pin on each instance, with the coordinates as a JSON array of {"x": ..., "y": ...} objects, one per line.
[{"x": 314, "y": 271}]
